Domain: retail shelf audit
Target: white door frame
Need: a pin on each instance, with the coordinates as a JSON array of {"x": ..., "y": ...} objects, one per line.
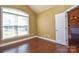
[{"x": 73, "y": 7}]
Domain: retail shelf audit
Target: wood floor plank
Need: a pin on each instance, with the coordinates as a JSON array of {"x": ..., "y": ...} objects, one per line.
[{"x": 35, "y": 45}]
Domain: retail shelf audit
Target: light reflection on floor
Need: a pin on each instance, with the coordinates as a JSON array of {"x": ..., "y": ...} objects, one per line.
[{"x": 20, "y": 49}]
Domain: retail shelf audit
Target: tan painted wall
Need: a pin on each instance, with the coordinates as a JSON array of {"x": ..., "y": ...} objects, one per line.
[{"x": 46, "y": 21}]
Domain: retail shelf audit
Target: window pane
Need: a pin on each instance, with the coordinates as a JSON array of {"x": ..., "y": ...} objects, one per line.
[
  {"x": 22, "y": 21},
  {"x": 15, "y": 23},
  {"x": 9, "y": 19},
  {"x": 9, "y": 32},
  {"x": 22, "y": 31}
]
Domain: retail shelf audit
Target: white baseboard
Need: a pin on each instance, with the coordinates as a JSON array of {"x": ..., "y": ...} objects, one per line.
[
  {"x": 1, "y": 45},
  {"x": 46, "y": 39}
]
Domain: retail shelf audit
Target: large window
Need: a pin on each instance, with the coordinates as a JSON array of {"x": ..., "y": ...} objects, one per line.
[{"x": 15, "y": 23}]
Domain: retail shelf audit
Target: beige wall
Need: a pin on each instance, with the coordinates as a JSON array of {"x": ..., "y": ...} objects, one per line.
[{"x": 46, "y": 21}]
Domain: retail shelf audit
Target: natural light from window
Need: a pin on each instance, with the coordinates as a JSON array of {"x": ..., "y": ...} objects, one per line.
[{"x": 15, "y": 23}]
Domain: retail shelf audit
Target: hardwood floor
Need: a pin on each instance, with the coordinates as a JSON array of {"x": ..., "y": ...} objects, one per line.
[{"x": 35, "y": 45}]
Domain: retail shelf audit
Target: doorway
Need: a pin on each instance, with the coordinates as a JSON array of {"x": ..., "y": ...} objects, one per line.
[{"x": 73, "y": 26}]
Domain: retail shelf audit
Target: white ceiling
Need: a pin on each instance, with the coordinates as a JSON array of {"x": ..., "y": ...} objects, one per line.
[{"x": 40, "y": 8}]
